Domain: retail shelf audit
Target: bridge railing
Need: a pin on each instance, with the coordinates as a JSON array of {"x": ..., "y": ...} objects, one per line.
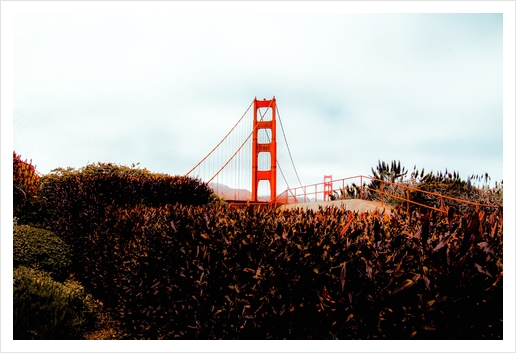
[
  {"x": 382, "y": 191},
  {"x": 312, "y": 192}
]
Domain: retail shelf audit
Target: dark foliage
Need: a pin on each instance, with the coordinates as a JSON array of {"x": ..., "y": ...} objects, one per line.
[
  {"x": 77, "y": 200},
  {"x": 214, "y": 272},
  {"x": 168, "y": 261}
]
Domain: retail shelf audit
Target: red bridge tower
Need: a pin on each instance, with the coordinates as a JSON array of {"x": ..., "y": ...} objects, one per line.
[{"x": 260, "y": 123}]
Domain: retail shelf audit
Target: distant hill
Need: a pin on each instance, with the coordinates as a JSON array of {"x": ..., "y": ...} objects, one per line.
[
  {"x": 229, "y": 193},
  {"x": 300, "y": 199}
]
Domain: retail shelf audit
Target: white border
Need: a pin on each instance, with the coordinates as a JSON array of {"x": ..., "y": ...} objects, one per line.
[{"x": 212, "y": 7}]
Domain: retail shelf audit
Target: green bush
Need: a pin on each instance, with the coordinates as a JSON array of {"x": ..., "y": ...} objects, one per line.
[
  {"x": 46, "y": 309},
  {"x": 41, "y": 249}
]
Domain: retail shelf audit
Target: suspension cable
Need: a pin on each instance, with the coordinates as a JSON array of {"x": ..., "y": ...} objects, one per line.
[
  {"x": 238, "y": 150},
  {"x": 230, "y": 131},
  {"x": 269, "y": 138},
  {"x": 288, "y": 148}
]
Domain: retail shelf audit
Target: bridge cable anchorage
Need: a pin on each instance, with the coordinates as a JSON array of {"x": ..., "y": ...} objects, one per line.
[
  {"x": 238, "y": 150},
  {"x": 230, "y": 131}
]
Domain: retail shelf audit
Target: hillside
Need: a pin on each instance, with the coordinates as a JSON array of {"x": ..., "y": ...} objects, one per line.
[{"x": 229, "y": 193}]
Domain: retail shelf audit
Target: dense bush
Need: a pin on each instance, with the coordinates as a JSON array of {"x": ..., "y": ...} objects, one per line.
[
  {"x": 77, "y": 200},
  {"x": 168, "y": 259},
  {"x": 46, "y": 309},
  {"x": 26, "y": 184},
  {"x": 216, "y": 272},
  {"x": 446, "y": 183},
  {"x": 41, "y": 249}
]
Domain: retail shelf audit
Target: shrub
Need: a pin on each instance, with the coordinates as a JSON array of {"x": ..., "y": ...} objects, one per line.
[
  {"x": 215, "y": 272},
  {"x": 41, "y": 249},
  {"x": 216, "y": 200},
  {"x": 78, "y": 199},
  {"x": 46, "y": 309},
  {"x": 448, "y": 184},
  {"x": 26, "y": 183}
]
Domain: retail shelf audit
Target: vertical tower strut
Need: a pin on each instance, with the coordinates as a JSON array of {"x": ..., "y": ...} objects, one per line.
[
  {"x": 259, "y": 147},
  {"x": 328, "y": 186}
]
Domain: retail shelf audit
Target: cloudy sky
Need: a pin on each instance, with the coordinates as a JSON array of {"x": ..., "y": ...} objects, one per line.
[{"x": 160, "y": 85}]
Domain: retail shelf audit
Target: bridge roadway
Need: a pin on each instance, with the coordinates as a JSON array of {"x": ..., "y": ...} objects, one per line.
[
  {"x": 351, "y": 205},
  {"x": 355, "y": 205}
]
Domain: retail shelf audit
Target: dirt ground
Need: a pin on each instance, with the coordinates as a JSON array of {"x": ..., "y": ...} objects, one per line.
[{"x": 352, "y": 205}]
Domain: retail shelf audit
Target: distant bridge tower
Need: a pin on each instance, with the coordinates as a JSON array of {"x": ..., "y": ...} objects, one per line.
[
  {"x": 264, "y": 141},
  {"x": 328, "y": 186}
]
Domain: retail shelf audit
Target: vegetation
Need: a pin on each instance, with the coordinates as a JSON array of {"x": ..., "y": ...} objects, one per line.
[
  {"x": 77, "y": 200},
  {"x": 41, "y": 249},
  {"x": 166, "y": 259},
  {"x": 46, "y": 309},
  {"x": 447, "y": 183},
  {"x": 26, "y": 186},
  {"x": 240, "y": 273},
  {"x": 394, "y": 181}
]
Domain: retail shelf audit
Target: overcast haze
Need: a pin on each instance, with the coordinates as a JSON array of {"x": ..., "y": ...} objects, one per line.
[{"x": 162, "y": 88}]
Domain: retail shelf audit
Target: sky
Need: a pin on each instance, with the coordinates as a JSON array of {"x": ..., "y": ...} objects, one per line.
[
  {"x": 161, "y": 88},
  {"x": 160, "y": 84}
]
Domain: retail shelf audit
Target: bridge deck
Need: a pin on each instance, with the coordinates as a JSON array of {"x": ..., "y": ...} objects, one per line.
[{"x": 352, "y": 205}]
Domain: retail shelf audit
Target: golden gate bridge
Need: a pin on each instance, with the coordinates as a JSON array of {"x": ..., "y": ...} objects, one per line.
[{"x": 244, "y": 166}]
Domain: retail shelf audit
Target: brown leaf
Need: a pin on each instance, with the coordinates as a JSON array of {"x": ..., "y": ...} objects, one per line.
[
  {"x": 439, "y": 246},
  {"x": 481, "y": 269},
  {"x": 369, "y": 270},
  {"x": 427, "y": 282},
  {"x": 343, "y": 276},
  {"x": 258, "y": 275},
  {"x": 406, "y": 284},
  {"x": 346, "y": 227},
  {"x": 485, "y": 246}
]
